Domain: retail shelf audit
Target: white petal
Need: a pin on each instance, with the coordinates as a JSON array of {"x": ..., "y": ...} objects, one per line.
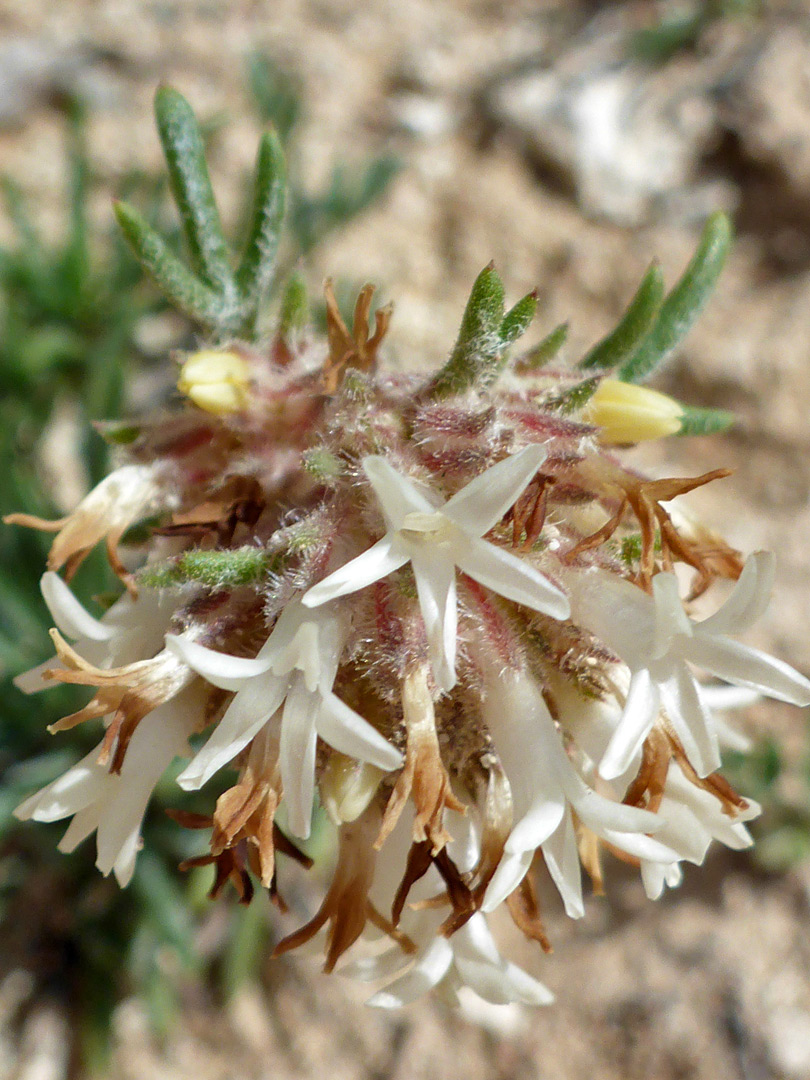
[
  {"x": 219, "y": 668},
  {"x": 562, "y": 861},
  {"x": 70, "y": 616},
  {"x": 512, "y": 869},
  {"x": 720, "y": 697},
  {"x": 745, "y": 666},
  {"x": 250, "y": 709},
  {"x": 436, "y": 585},
  {"x": 488, "y": 980},
  {"x": 372, "y": 968},
  {"x": 396, "y": 494},
  {"x": 525, "y": 988},
  {"x": 693, "y": 724},
  {"x": 512, "y": 577},
  {"x": 426, "y": 973},
  {"x": 615, "y": 610},
  {"x": 484, "y": 501},
  {"x": 640, "y": 713},
  {"x": 643, "y": 847},
  {"x": 670, "y": 618},
  {"x": 748, "y": 600},
  {"x": 297, "y": 757},
  {"x": 69, "y": 793},
  {"x": 349, "y": 733},
  {"x": 481, "y": 967},
  {"x": 84, "y": 823},
  {"x": 538, "y": 823},
  {"x": 31, "y": 681},
  {"x": 653, "y": 876},
  {"x": 376, "y": 563},
  {"x": 599, "y": 813}
]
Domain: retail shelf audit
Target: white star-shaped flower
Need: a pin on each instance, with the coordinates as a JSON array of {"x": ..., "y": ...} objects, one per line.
[
  {"x": 438, "y": 537},
  {"x": 547, "y": 791},
  {"x": 291, "y": 676},
  {"x": 658, "y": 641},
  {"x": 110, "y": 805},
  {"x": 128, "y": 631},
  {"x": 469, "y": 958}
]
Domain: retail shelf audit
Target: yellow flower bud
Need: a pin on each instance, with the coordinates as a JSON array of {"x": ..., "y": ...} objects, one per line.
[
  {"x": 627, "y": 413},
  {"x": 217, "y": 381},
  {"x": 347, "y": 787}
]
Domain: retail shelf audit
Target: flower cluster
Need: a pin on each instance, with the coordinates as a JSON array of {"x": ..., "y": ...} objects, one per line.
[{"x": 440, "y": 605}]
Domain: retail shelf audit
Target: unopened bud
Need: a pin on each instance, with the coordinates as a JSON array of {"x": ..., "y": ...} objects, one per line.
[
  {"x": 217, "y": 381},
  {"x": 347, "y": 787},
  {"x": 627, "y": 413}
]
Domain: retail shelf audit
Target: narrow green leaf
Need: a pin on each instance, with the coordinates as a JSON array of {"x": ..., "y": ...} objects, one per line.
[
  {"x": 544, "y": 351},
  {"x": 256, "y": 267},
  {"x": 575, "y": 397},
  {"x": 637, "y": 321},
  {"x": 517, "y": 320},
  {"x": 191, "y": 186},
  {"x": 684, "y": 303},
  {"x": 705, "y": 421},
  {"x": 294, "y": 314},
  {"x": 180, "y": 286},
  {"x": 479, "y": 342}
]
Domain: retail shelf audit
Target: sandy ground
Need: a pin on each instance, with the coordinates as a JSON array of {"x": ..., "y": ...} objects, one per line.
[{"x": 527, "y": 137}]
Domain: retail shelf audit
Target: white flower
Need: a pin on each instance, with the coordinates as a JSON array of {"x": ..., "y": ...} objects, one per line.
[
  {"x": 436, "y": 539},
  {"x": 123, "y": 497},
  {"x": 291, "y": 676},
  {"x": 690, "y": 816},
  {"x": 469, "y": 957},
  {"x": 546, "y": 788},
  {"x": 129, "y": 631},
  {"x": 692, "y": 819},
  {"x": 657, "y": 640},
  {"x": 114, "y": 805}
]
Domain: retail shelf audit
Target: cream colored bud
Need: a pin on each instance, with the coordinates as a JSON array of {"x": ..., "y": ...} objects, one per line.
[
  {"x": 627, "y": 413},
  {"x": 217, "y": 381},
  {"x": 347, "y": 787}
]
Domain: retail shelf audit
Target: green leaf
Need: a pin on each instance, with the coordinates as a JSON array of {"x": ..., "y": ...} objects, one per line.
[
  {"x": 544, "y": 351},
  {"x": 228, "y": 568},
  {"x": 517, "y": 320},
  {"x": 181, "y": 286},
  {"x": 294, "y": 314},
  {"x": 705, "y": 421},
  {"x": 620, "y": 344},
  {"x": 575, "y": 398},
  {"x": 256, "y": 267},
  {"x": 191, "y": 185},
  {"x": 684, "y": 303},
  {"x": 479, "y": 343}
]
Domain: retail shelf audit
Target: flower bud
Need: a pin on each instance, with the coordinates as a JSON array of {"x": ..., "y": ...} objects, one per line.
[
  {"x": 347, "y": 787},
  {"x": 216, "y": 381},
  {"x": 627, "y": 413}
]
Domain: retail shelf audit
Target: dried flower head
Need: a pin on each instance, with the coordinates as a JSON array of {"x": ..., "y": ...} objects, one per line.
[{"x": 441, "y": 603}]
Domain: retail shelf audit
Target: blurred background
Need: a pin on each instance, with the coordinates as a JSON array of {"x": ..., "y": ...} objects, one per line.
[{"x": 570, "y": 142}]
